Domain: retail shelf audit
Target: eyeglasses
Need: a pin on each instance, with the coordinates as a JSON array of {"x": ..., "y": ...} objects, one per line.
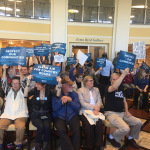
[
  {"x": 68, "y": 85},
  {"x": 91, "y": 80},
  {"x": 15, "y": 83}
]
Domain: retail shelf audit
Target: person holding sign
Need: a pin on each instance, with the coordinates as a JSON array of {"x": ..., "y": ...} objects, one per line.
[
  {"x": 42, "y": 110},
  {"x": 141, "y": 83},
  {"x": 90, "y": 99},
  {"x": 115, "y": 104},
  {"x": 15, "y": 110},
  {"x": 65, "y": 112}
]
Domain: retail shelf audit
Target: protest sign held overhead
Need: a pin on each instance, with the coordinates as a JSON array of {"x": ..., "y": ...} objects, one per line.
[
  {"x": 13, "y": 56},
  {"x": 139, "y": 49},
  {"x": 145, "y": 67},
  {"x": 41, "y": 51},
  {"x": 45, "y": 74},
  {"x": 48, "y": 46},
  {"x": 71, "y": 60},
  {"x": 100, "y": 62},
  {"x": 125, "y": 60},
  {"x": 59, "y": 47},
  {"x": 59, "y": 58},
  {"x": 29, "y": 52},
  {"x": 82, "y": 57},
  {"x": 89, "y": 57}
]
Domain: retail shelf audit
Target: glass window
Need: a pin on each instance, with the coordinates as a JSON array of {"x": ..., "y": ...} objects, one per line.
[
  {"x": 74, "y": 13},
  {"x": 24, "y": 9},
  {"x": 138, "y": 3},
  {"x": 90, "y": 2},
  {"x": 107, "y": 3},
  {"x": 6, "y": 8},
  {"x": 75, "y": 2},
  {"x": 90, "y": 13},
  {"x": 106, "y": 15},
  {"x": 41, "y": 9}
]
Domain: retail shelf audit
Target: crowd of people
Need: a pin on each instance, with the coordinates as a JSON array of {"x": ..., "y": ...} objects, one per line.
[{"x": 80, "y": 88}]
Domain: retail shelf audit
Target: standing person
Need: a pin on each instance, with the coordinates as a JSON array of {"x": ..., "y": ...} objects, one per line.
[
  {"x": 41, "y": 116},
  {"x": 90, "y": 99},
  {"x": 115, "y": 60},
  {"x": 105, "y": 73},
  {"x": 115, "y": 104},
  {"x": 15, "y": 110},
  {"x": 141, "y": 83},
  {"x": 65, "y": 112}
]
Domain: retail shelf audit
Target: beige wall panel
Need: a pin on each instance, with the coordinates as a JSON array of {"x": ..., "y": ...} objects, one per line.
[
  {"x": 24, "y": 27},
  {"x": 139, "y": 32},
  {"x": 85, "y": 30}
]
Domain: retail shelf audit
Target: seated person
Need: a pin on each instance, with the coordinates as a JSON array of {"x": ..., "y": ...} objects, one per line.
[
  {"x": 78, "y": 82},
  {"x": 42, "y": 111},
  {"x": 141, "y": 83},
  {"x": 15, "y": 110},
  {"x": 65, "y": 112},
  {"x": 128, "y": 83},
  {"x": 115, "y": 104},
  {"x": 90, "y": 99}
]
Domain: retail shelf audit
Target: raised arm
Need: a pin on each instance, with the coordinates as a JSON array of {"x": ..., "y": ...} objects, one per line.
[
  {"x": 98, "y": 71},
  {"x": 4, "y": 71},
  {"x": 20, "y": 72},
  {"x": 117, "y": 83}
]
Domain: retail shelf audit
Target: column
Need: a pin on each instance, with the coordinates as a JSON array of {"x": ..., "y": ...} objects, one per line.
[
  {"x": 121, "y": 26},
  {"x": 59, "y": 15}
]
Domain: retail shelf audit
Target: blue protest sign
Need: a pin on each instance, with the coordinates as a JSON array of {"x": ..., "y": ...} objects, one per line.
[
  {"x": 101, "y": 62},
  {"x": 48, "y": 46},
  {"x": 125, "y": 60},
  {"x": 41, "y": 51},
  {"x": 29, "y": 52},
  {"x": 71, "y": 60},
  {"x": 145, "y": 67},
  {"x": 45, "y": 73},
  {"x": 89, "y": 57},
  {"x": 13, "y": 56},
  {"x": 59, "y": 47}
]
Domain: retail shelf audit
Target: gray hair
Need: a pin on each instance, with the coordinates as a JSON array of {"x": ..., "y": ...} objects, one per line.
[{"x": 64, "y": 74}]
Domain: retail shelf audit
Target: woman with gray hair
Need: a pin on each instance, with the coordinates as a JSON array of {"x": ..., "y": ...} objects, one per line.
[{"x": 90, "y": 99}]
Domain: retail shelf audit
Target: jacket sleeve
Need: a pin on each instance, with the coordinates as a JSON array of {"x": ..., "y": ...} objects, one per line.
[
  {"x": 71, "y": 71},
  {"x": 98, "y": 103},
  {"x": 81, "y": 70},
  {"x": 84, "y": 104},
  {"x": 75, "y": 103},
  {"x": 56, "y": 103}
]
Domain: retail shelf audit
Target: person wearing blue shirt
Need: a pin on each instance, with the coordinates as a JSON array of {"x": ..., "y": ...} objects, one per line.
[
  {"x": 65, "y": 112},
  {"x": 72, "y": 71},
  {"x": 141, "y": 83}
]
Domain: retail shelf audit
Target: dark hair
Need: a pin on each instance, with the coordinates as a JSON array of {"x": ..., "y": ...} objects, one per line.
[
  {"x": 78, "y": 75},
  {"x": 64, "y": 74},
  {"x": 15, "y": 78},
  {"x": 31, "y": 66},
  {"x": 41, "y": 83},
  {"x": 26, "y": 67},
  {"x": 104, "y": 55},
  {"x": 67, "y": 68}
]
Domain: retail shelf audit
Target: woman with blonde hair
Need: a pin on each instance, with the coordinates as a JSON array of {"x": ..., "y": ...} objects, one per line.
[
  {"x": 90, "y": 99},
  {"x": 141, "y": 83}
]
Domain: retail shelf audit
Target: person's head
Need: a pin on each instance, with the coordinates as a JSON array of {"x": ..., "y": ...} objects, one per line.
[
  {"x": 40, "y": 86},
  {"x": 30, "y": 69},
  {"x": 79, "y": 77},
  {"x": 16, "y": 83},
  {"x": 113, "y": 77},
  {"x": 75, "y": 55},
  {"x": 104, "y": 55},
  {"x": 141, "y": 74},
  {"x": 88, "y": 82},
  {"x": 67, "y": 68},
  {"x": 24, "y": 70},
  {"x": 66, "y": 84},
  {"x": 118, "y": 54},
  {"x": 57, "y": 64},
  {"x": 117, "y": 70},
  {"x": 46, "y": 62},
  {"x": 64, "y": 74},
  {"x": 90, "y": 70}
]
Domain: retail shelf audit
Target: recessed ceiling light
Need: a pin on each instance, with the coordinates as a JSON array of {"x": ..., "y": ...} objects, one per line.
[
  {"x": 110, "y": 17},
  {"x": 131, "y": 16},
  {"x": 139, "y": 6},
  {"x": 6, "y": 8}
]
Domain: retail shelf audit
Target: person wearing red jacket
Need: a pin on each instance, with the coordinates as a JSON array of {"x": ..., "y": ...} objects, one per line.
[{"x": 128, "y": 83}]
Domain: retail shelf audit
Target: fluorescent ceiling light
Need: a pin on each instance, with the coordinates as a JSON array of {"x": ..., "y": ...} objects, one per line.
[
  {"x": 73, "y": 11},
  {"x": 131, "y": 16},
  {"x": 17, "y": 10},
  {"x": 6, "y": 8},
  {"x": 8, "y": 15},
  {"x": 17, "y": 16},
  {"x": 13, "y": 1},
  {"x": 139, "y": 6},
  {"x": 110, "y": 17}
]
